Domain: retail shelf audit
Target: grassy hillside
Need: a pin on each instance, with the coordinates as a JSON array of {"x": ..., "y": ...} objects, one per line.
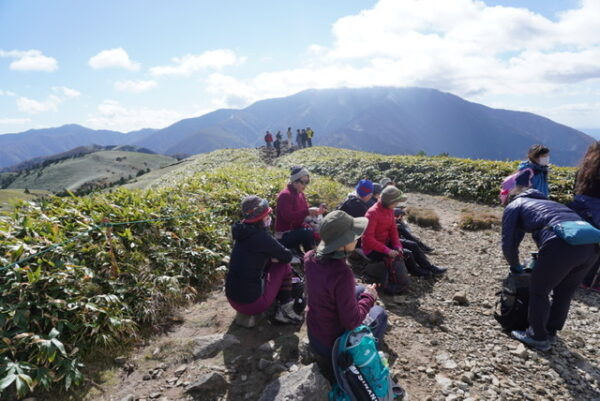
[
  {"x": 11, "y": 196},
  {"x": 94, "y": 170},
  {"x": 104, "y": 288},
  {"x": 464, "y": 179}
]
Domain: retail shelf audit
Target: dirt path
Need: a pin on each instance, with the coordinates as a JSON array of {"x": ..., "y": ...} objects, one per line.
[{"x": 438, "y": 350}]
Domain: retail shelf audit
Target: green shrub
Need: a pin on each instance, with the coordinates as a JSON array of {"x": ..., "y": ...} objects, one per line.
[{"x": 464, "y": 179}]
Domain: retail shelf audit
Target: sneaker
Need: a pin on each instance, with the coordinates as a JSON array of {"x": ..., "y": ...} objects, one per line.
[
  {"x": 525, "y": 338},
  {"x": 427, "y": 249},
  {"x": 438, "y": 270},
  {"x": 553, "y": 339},
  {"x": 286, "y": 314}
]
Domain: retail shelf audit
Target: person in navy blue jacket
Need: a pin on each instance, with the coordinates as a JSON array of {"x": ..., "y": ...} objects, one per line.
[
  {"x": 259, "y": 268},
  {"x": 587, "y": 202},
  {"x": 560, "y": 267}
]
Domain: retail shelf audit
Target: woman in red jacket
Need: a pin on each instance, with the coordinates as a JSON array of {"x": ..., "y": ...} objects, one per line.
[
  {"x": 292, "y": 209},
  {"x": 381, "y": 243}
]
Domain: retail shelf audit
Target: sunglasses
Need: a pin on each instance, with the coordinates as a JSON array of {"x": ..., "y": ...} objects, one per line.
[{"x": 303, "y": 182}]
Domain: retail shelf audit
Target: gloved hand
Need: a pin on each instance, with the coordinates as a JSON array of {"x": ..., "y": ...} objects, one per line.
[{"x": 517, "y": 269}]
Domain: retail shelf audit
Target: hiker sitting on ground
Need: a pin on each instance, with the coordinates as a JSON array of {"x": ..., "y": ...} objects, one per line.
[
  {"x": 357, "y": 202},
  {"x": 559, "y": 269},
  {"x": 335, "y": 303},
  {"x": 292, "y": 209},
  {"x": 538, "y": 160},
  {"x": 377, "y": 188},
  {"x": 405, "y": 232},
  {"x": 587, "y": 202},
  {"x": 381, "y": 243},
  {"x": 259, "y": 269},
  {"x": 416, "y": 261}
]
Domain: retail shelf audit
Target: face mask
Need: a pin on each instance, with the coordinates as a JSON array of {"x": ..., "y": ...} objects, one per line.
[
  {"x": 267, "y": 222},
  {"x": 544, "y": 161}
]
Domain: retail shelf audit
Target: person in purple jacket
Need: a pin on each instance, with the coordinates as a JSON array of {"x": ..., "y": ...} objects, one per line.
[{"x": 335, "y": 303}]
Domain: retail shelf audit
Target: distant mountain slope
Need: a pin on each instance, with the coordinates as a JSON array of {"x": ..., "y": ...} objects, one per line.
[
  {"x": 92, "y": 170},
  {"x": 383, "y": 120},
  {"x": 17, "y": 148}
]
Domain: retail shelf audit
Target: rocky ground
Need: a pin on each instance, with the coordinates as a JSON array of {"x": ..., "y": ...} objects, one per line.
[{"x": 443, "y": 342}]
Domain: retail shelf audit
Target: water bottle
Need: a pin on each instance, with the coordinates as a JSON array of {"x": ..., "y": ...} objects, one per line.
[{"x": 384, "y": 360}]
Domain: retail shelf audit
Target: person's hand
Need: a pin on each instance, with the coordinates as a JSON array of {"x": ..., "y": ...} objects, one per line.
[
  {"x": 314, "y": 211},
  {"x": 274, "y": 260},
  {"x": 372, "y": 290},
  {"x": 393, "y": 253}
]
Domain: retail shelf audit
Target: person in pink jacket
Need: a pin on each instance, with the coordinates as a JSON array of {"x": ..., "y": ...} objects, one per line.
[
  {"x": 292, "y": 209},
  {"x": 381, "y": 243}
]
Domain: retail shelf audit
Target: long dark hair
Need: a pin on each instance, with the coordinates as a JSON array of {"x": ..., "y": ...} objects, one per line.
[{"x": 588, "y": 176}]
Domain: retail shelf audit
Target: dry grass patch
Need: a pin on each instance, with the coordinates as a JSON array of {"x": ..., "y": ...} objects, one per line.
[
  {"x": 423, "y": 217},
  {"x": 474, "y": 221}
]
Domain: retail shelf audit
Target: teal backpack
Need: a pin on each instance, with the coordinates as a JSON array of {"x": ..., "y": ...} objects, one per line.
[{"x": 361, "y": 372}]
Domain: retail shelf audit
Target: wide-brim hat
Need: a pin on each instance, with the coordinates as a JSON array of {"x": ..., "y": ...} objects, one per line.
[{"x": 338, "y": 229}]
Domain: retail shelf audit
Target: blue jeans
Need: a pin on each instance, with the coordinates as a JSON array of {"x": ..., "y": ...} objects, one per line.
[{"x": 376, "y": 320}]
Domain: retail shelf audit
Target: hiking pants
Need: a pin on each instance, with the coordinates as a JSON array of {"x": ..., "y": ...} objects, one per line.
[
  {"x": 376, "y": 319},
  {"x": 405, "y": 234},
  {"x": 309, "y": 140},
  {"x": 560, "y": 268},
  {"x": 302, "y": 236},
  {"x": 589, "y": 278},
  {"x": 417, "y": 254},
  {"x": 278, "y": 278}
]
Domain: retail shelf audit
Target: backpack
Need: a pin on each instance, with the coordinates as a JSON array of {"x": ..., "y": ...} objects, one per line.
[
  {"x": 577, "y": 232},
  {"x": 513, "y": 302},
  {"x": 298, "y": 294},
  {"x": 361, "y": 372},
  {"x": 510, "y": 182}
]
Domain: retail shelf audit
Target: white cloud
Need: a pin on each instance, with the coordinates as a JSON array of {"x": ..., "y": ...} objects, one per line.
[
  {"x": 112, "y": 115},
  {"x": 51, "y": 103},
  {"x": 32, "y": 106},
  {"x": 30, "y": 60},
  {"x": 113, "y": 58},
  {"x": 14, "y": 121},
  {"x": 67, "y": 92},
  {"x": 461, "y": 46},
  {"x": 7, "y": 93},
  {"x": 135, "y": 86},
  {"x": 191, "y": 63}
]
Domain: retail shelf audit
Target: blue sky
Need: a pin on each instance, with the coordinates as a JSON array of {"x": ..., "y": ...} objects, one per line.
[{"x": 127, "y": 65}]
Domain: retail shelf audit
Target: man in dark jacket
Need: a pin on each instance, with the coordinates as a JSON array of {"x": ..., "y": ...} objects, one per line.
[
  {"x": 357, "y": 202},
  {"x": 259, "y": 269},
  {"x": 559, "y": 269}
]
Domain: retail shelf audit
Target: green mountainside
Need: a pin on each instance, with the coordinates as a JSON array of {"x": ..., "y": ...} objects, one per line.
[
  {"x": 97, "y": 271},
  {"x": 88, "y": 172}
]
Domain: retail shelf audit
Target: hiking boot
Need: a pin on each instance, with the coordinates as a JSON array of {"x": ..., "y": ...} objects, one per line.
[
  {"x": 285, "y": 314},
  {"x": 435, "y": 270},
  {"x": 525, "y": 338},
  {"x": 553, "y": 339},
  {"x": 426, "y": 249},
  {"x": 418, "y": 271}
]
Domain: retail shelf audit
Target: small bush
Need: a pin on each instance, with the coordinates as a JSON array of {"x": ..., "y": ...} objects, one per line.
[
  {"x": 473, "y": 221},
  {"x": 423, "y": 217}
]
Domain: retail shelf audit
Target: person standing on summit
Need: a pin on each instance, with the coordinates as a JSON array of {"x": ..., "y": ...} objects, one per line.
[
  {"x": 538, "y": 161},
  {"x": 289, "y": 137},
  {"x": 268, "y": 140},
  {"x": 309, "y": 135}
]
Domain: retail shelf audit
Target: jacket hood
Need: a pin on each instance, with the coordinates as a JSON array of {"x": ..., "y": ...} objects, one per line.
[
  {"x": 531, "y": 165},
  {"x": 531, "y": 193},
  {"x": 241, "y": 231}
]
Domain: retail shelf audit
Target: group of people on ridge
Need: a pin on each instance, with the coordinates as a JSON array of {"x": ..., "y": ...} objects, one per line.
[
  {"x": 303, "y": 139},
  {"x": 260, "y": 272}
]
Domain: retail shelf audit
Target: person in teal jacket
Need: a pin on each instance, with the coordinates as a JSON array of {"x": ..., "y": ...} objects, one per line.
[{"x": 539, "y": 159}]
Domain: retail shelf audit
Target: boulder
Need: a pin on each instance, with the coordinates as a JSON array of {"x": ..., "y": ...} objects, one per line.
[
  {"x": 209, "y": 346},
  {"x": 208, "y": 386},
  {"x": 306, "y": 383}
]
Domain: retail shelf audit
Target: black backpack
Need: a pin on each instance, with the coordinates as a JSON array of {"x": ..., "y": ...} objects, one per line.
[{"x": 513, "y": 302}]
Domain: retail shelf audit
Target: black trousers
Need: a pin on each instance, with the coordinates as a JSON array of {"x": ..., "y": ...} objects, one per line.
[
  {"x": 560, "y": 268},
  {"x": 415, "y": 254}
]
